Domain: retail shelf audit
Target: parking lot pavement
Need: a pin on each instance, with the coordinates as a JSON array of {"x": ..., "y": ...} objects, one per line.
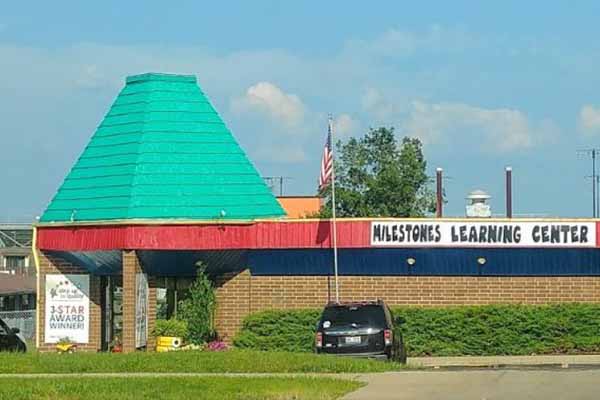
[
  {"x": 491, "y": 361},
  {"x": 571, "y": 384}
]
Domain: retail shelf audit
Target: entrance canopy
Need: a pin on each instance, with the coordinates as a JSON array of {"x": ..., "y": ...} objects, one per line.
[
  {"x": 315, "y": 234},
  {"x": 367, "y": 247}
]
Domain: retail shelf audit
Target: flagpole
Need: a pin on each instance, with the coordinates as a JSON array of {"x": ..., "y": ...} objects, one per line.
[{"x": 335, "y": 252}]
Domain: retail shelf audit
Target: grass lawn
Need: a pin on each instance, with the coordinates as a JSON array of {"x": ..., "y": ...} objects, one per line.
[
  {"x": 222, "y": 388},
  {"x": 192, "y": 361}
]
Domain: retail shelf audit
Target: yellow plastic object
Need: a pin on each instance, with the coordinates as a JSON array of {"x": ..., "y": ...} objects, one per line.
[
  {"x": 168, "y": 343},
  {"x": 66, "y": 347}
]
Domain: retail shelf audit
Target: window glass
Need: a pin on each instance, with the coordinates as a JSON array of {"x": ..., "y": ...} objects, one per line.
[
  {"x": 362, "y": 316},
  {"x": 14, "y": 262}
]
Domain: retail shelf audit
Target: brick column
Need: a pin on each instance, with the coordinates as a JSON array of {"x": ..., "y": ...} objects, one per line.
[
  {"x": 151, "y": 346},
  {"x": 131, "y": 266}
]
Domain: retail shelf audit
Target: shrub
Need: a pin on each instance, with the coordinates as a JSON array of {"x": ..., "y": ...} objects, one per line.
[
  {"x": 198, "y": 308},
  {"x": 448, "y": 331},
  {"x": 279, "y": 330},
  {"x": 500, "y": 329},
  {"x": 171, "y": 327}
]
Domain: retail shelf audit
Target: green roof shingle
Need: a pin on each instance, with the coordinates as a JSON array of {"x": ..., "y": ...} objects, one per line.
[{"x": 162, "y": 152}]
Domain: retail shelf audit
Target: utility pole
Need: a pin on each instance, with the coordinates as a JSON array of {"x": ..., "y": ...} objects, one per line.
[
  {"x": 273, "y": 181},
  {"x": 509, "y": 208},
  {"x": 593, "y": 152},
  {"x": 439, "y": 191}
]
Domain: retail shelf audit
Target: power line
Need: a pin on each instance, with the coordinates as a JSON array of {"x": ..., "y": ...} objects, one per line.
[{"x": 593, "y": 152}]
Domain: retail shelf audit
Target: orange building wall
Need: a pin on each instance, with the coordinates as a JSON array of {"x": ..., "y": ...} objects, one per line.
[{"x": 300, "y": 206}]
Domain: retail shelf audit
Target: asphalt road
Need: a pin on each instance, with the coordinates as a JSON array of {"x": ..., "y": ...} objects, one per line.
[{"x": 571, "y": 384}]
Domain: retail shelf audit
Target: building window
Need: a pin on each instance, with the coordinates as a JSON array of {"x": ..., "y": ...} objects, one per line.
[
  {"x": 16, "y": 265},
  {"x": 15, "y": 262},
  {"x": 25, "y": 302}
]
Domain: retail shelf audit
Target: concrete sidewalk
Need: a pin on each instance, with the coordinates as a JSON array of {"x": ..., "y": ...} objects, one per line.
[
  {"x": 506, "y": 361},
  {"x": 505, "y": 384}
]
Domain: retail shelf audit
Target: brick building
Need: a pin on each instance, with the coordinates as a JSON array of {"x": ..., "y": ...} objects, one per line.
[
  {"x": 163, "y": 185},
  {"x": 17, "y": 272}
]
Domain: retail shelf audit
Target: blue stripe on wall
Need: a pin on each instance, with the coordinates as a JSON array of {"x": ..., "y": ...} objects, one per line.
[{"x": 429, "y": 262}]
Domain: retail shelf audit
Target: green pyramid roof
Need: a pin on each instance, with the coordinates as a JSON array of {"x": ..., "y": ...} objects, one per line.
[{"x": 162, "y": 152}]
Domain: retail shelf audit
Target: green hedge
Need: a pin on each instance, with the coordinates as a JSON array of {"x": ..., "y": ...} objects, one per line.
[
  {"x": 279, "y": 330},
  {"x": 449, "y": 331}
]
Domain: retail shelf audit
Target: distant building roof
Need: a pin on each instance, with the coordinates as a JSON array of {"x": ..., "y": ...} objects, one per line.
[
  {"x": 162, "y": 152},
  {"x": 478, "y": 195},
  {"x": 15, "y": 235},
  {"x": 300, "y": 206}
]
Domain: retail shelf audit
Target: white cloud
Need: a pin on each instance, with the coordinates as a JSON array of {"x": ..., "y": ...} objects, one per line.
[
  {"x": 401, "y": 43},
  {"x": 380, "y": 107},
  {"x": 90, "y": 77},
  {"x": 288, "y": 126},
  {"x": 267, "y": 98},
  {"x": 589, "y": 120},
  {"x": 500, "y": 129},
  {"x": 344, "y": 125}
]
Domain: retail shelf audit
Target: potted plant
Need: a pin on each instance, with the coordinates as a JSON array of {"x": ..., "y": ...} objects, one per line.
[
  {"x": 170, "y": 334},
  {"x": 115, "y": 345}
]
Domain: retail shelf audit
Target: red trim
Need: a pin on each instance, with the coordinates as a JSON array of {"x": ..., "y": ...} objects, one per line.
[{"x": 261, "y": 235}]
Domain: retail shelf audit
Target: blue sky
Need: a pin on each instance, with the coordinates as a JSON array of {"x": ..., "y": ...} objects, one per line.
[{"x": 483, "y": 85}]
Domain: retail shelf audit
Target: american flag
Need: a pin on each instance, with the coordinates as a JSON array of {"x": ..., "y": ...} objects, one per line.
[{"x": 326, "y": 163}]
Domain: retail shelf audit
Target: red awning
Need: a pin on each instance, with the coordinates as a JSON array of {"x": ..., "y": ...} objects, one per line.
[
  {"x": 316, "y": 234},
  {"x": 259, "y": 235}
]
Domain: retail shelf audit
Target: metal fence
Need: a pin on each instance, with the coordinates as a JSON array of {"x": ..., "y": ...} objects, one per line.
[{"x": 24, "y": 320}]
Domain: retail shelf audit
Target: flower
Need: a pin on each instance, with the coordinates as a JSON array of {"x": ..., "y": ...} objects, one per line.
[{"x": 216, "y": 345}]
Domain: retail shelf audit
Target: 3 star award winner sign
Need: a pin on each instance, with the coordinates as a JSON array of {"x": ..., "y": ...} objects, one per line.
[{"x": 67, "y": 308}]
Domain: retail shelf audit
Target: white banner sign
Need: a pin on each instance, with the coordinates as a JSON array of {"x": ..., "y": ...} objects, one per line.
[
  {"x": 141, "y": 310},
  {"x": 482, "y": 234},
  {"x": 67, "y": 308}
]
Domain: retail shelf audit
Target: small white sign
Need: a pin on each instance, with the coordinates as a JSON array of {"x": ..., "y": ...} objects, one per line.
[
  {"x": 141, "y": 310},
  {"x": 67, "y": 308},
  {"x": 414, "y": 233}
]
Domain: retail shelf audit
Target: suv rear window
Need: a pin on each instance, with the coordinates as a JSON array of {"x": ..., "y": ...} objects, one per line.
[{"x": 367, "y": 315}]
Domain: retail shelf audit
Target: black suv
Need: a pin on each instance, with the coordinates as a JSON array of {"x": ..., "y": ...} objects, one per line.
[
  {"x": 359, "y": 329},
  {"x": 10, "y": 340}
]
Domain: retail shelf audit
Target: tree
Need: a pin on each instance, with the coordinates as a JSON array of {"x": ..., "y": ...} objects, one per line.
[
  {"x": 377, "y": 177},
  {"x": 199, "y": 307}
]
